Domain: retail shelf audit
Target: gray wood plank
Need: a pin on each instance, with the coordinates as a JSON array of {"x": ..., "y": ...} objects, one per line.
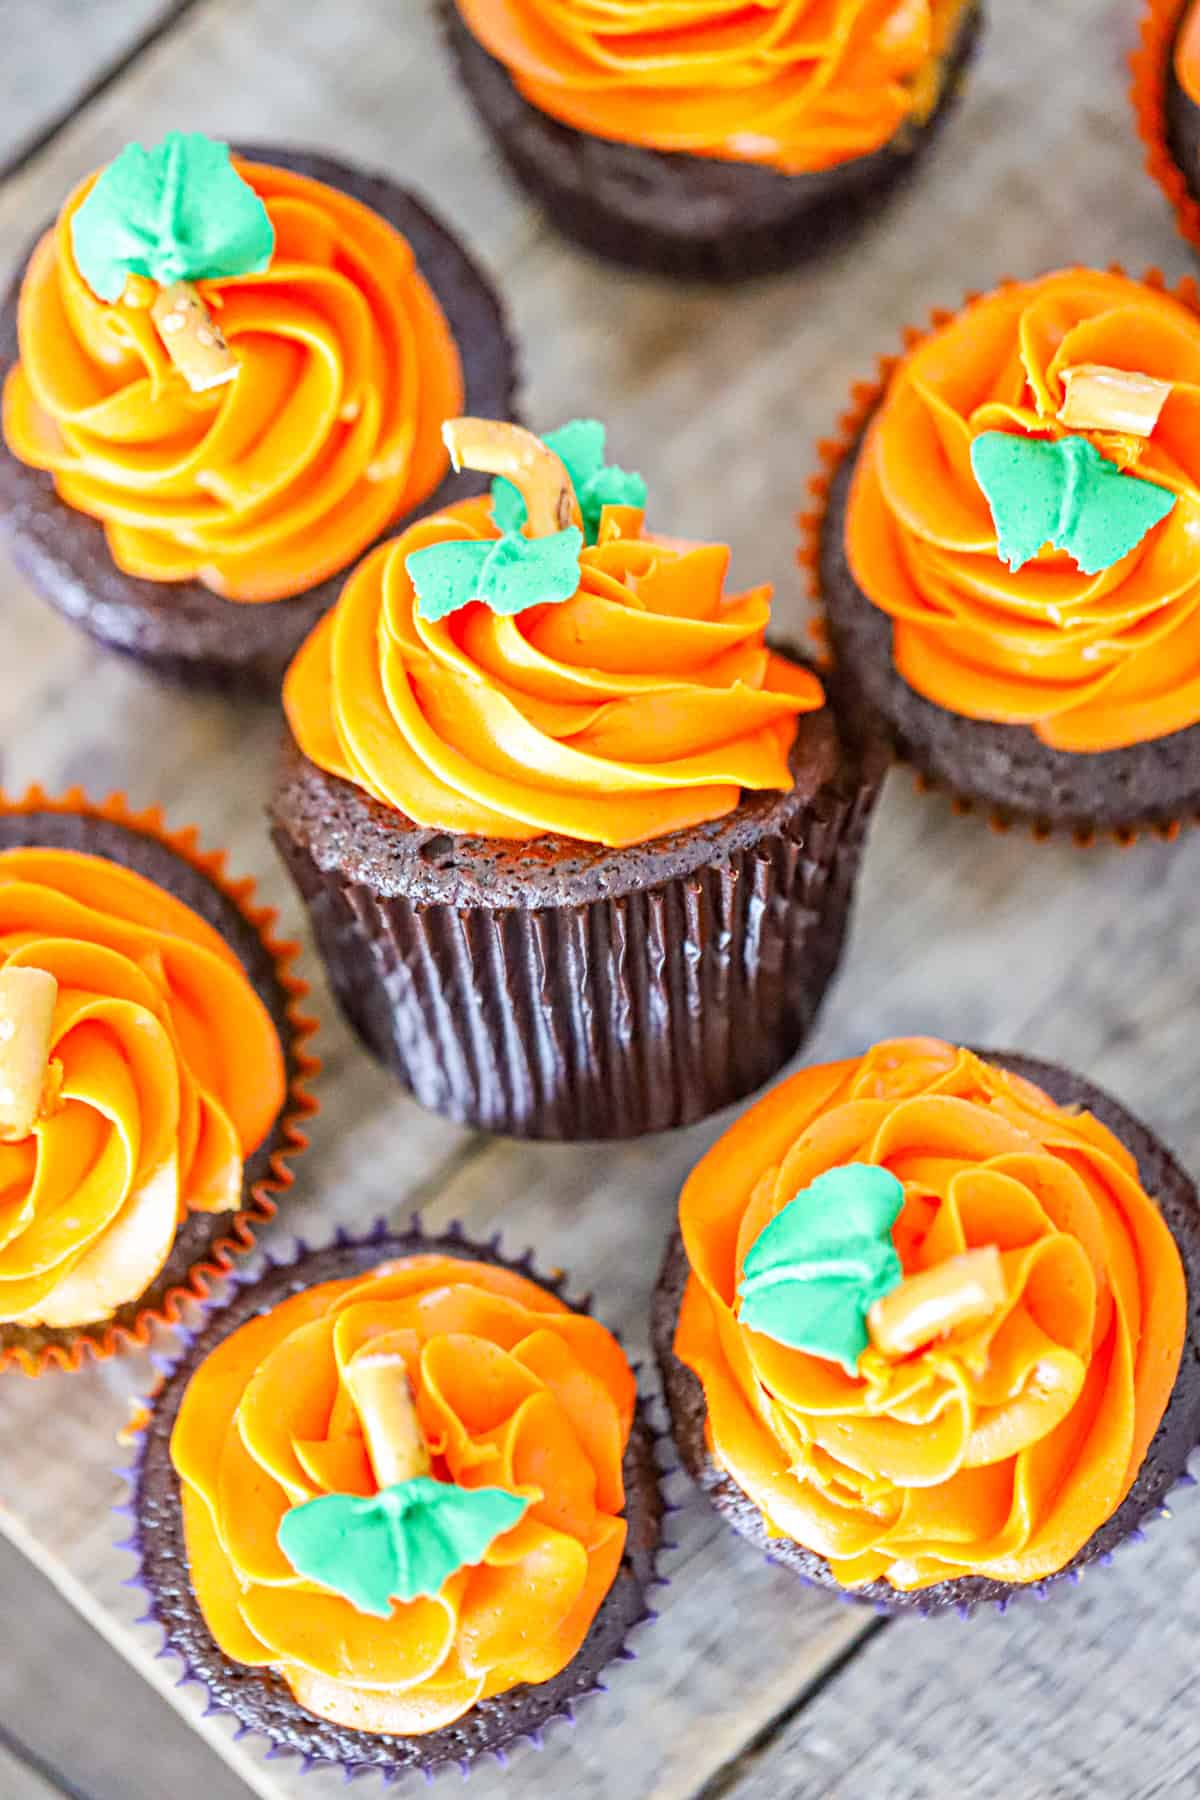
[
  {"x": 19, "y": 1782},
  {"x": 56, "y": 51},
  {"x": 1086, "y": 1695},
  {"x": 97, "y": 1741}
]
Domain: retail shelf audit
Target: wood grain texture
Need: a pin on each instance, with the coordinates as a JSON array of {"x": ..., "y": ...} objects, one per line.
[
  {"x": 56, "y": 51},
  {"x": 1085, "y": 1696},
  {"x": 19, "y": 1782},
  {"x": 1086, "y": 957},
  {"x": 92, "y": 1742}
]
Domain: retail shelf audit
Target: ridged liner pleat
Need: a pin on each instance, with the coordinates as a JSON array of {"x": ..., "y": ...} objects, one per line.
[{"x": 608, "y": 1019}]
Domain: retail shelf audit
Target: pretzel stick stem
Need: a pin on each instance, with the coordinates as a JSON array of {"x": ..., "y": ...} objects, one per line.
[{"x": 496, "y": 448}]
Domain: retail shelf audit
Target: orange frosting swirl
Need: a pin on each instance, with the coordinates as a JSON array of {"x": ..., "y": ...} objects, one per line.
[
  {"x": 263, "y": 487},
  {"x": 1187, "y": 53},
  {"x": 798, "y": 85},
  {"x": 512, "y": 1390},
  {"x": 166, "y": 1072},
  {"x": 1001, "y": 1448},
  {"x": 644, "y": 704},
  {"x": 1088, "y": 662}
]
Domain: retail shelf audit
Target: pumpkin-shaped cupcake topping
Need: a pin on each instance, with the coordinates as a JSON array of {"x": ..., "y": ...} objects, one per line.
[
  {"x": 238, "y": 370},
  {"x": 404, "y": 1491},
  {"x": 936, "y": 1318},
  {"x": 543, "y": 664},
  {"x": 1025, "y": 507},
  {"x": 139, "y": 1069}
]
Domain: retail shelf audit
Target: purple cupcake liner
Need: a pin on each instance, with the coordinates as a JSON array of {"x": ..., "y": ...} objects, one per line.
[{"x": 646, "y": 1457}]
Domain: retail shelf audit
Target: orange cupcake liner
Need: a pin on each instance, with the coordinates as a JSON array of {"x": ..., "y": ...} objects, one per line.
[
  {"x": 865, "y": 397},
  {"x": 1148, "y": 65},
  {"x": 103, "y": 1340}
]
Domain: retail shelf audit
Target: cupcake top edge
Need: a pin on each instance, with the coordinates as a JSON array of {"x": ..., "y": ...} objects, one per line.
[
  {"x": 240, "y": 371},
  {"x": 541, "y": 663},
  {"x": 139, "y": 1070},
  {"x": 936, "y": 1317},
  {"x": 403, "y": 1491},
  {"x": 1025, "y": 506},
  {"x": 716, "y": 79}
]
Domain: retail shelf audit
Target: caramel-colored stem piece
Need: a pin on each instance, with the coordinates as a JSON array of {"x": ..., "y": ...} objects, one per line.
[
  {"x": 27, "y": 998},
  {"x": 1104, "y": 399},
  {"x": 383, "y": 1399},
  {"x": 194, "y": 342},
  {"x": 496, "y": 448},
  {"x": 966, "y": 1290}
]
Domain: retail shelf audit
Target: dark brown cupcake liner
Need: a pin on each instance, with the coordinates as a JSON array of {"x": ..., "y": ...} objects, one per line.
[
  {"x": 1001, "y": 772},
  {"x": 206, "y": 1243},
  {"x": 182, "y": 630},
  {"x": 1168, "y": 122},
  {"x": 558, "y": 990},
  {"x": 1164, "y": 1469},
  {"x": 692, "y": 217},
  {"x": 260, "y": 1699}
]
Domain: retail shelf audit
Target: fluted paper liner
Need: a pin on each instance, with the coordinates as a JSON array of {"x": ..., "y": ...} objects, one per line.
[
  {"x": 34, "y": 1349},
  {"x": 604, "y": 1017}
]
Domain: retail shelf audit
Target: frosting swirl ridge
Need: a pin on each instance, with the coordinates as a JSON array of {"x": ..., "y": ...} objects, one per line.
[
  {"x": 1089, "y": 662},
  {"x": 511, "y": 1389},
  {"x": 644, "y": 703},
  {"x": 1000, "y": 1447},
  {"x": 798, "y": 85},
  {"x": 165, "y": 1072},
  {"x": 262, "y": 487}
]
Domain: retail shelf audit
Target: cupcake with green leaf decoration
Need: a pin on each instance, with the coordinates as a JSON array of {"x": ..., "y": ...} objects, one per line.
[
  {"x": 397, "y": 1505},
  {"x": 1005, "y": 551},
  {"x": 577, "y": 843},
  {"x": 225, "y": 376},
  {"x": 928, "y": 1326}
]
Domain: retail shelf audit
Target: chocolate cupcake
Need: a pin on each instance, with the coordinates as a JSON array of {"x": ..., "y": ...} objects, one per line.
[
  {"x": 398, "y": 1504},
  {"x": 578, "y": 849},
  {"x": 929, "y": 1328},
  {"x": 1166, "y": 97},
  {"x": 1005, "y": 553},
  {"x": 225, "y": 380},
  {"x": 717, "y": 140},
  {"x": 152, "y": 1070}
]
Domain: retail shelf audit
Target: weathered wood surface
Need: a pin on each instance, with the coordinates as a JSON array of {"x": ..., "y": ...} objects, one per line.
[
  {"x": 746, "y": 1684},
  {"x": 20, "y": 1782},
  {"x": 55, "y": 54},
  {"x": 70, "y": 1696},
  {"x": 1086, "y": 1694}
]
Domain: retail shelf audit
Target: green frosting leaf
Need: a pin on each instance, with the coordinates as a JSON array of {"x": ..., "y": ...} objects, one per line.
[
  {"x": 404, "y": 1541},
  {"x": 179, "y": 212},
  {"x": 811, "y": 1277},
  {"x": 597, "y": 484},
  {"x": 508, "y": 573},
  {"x": 1066, "y": 494}
]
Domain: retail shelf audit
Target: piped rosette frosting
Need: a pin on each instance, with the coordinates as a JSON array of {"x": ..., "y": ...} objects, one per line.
[
  {"x": 341, "y": 369},
  {"x": 1090, "y": 653},
  {"x": 613, "y": 694},
  {"x": 800, "y": 85},
  {"x": 434, "y": 1385},
  {"x": 138, "y": 1070},
  {"x": 1021, "y": 1320}
]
